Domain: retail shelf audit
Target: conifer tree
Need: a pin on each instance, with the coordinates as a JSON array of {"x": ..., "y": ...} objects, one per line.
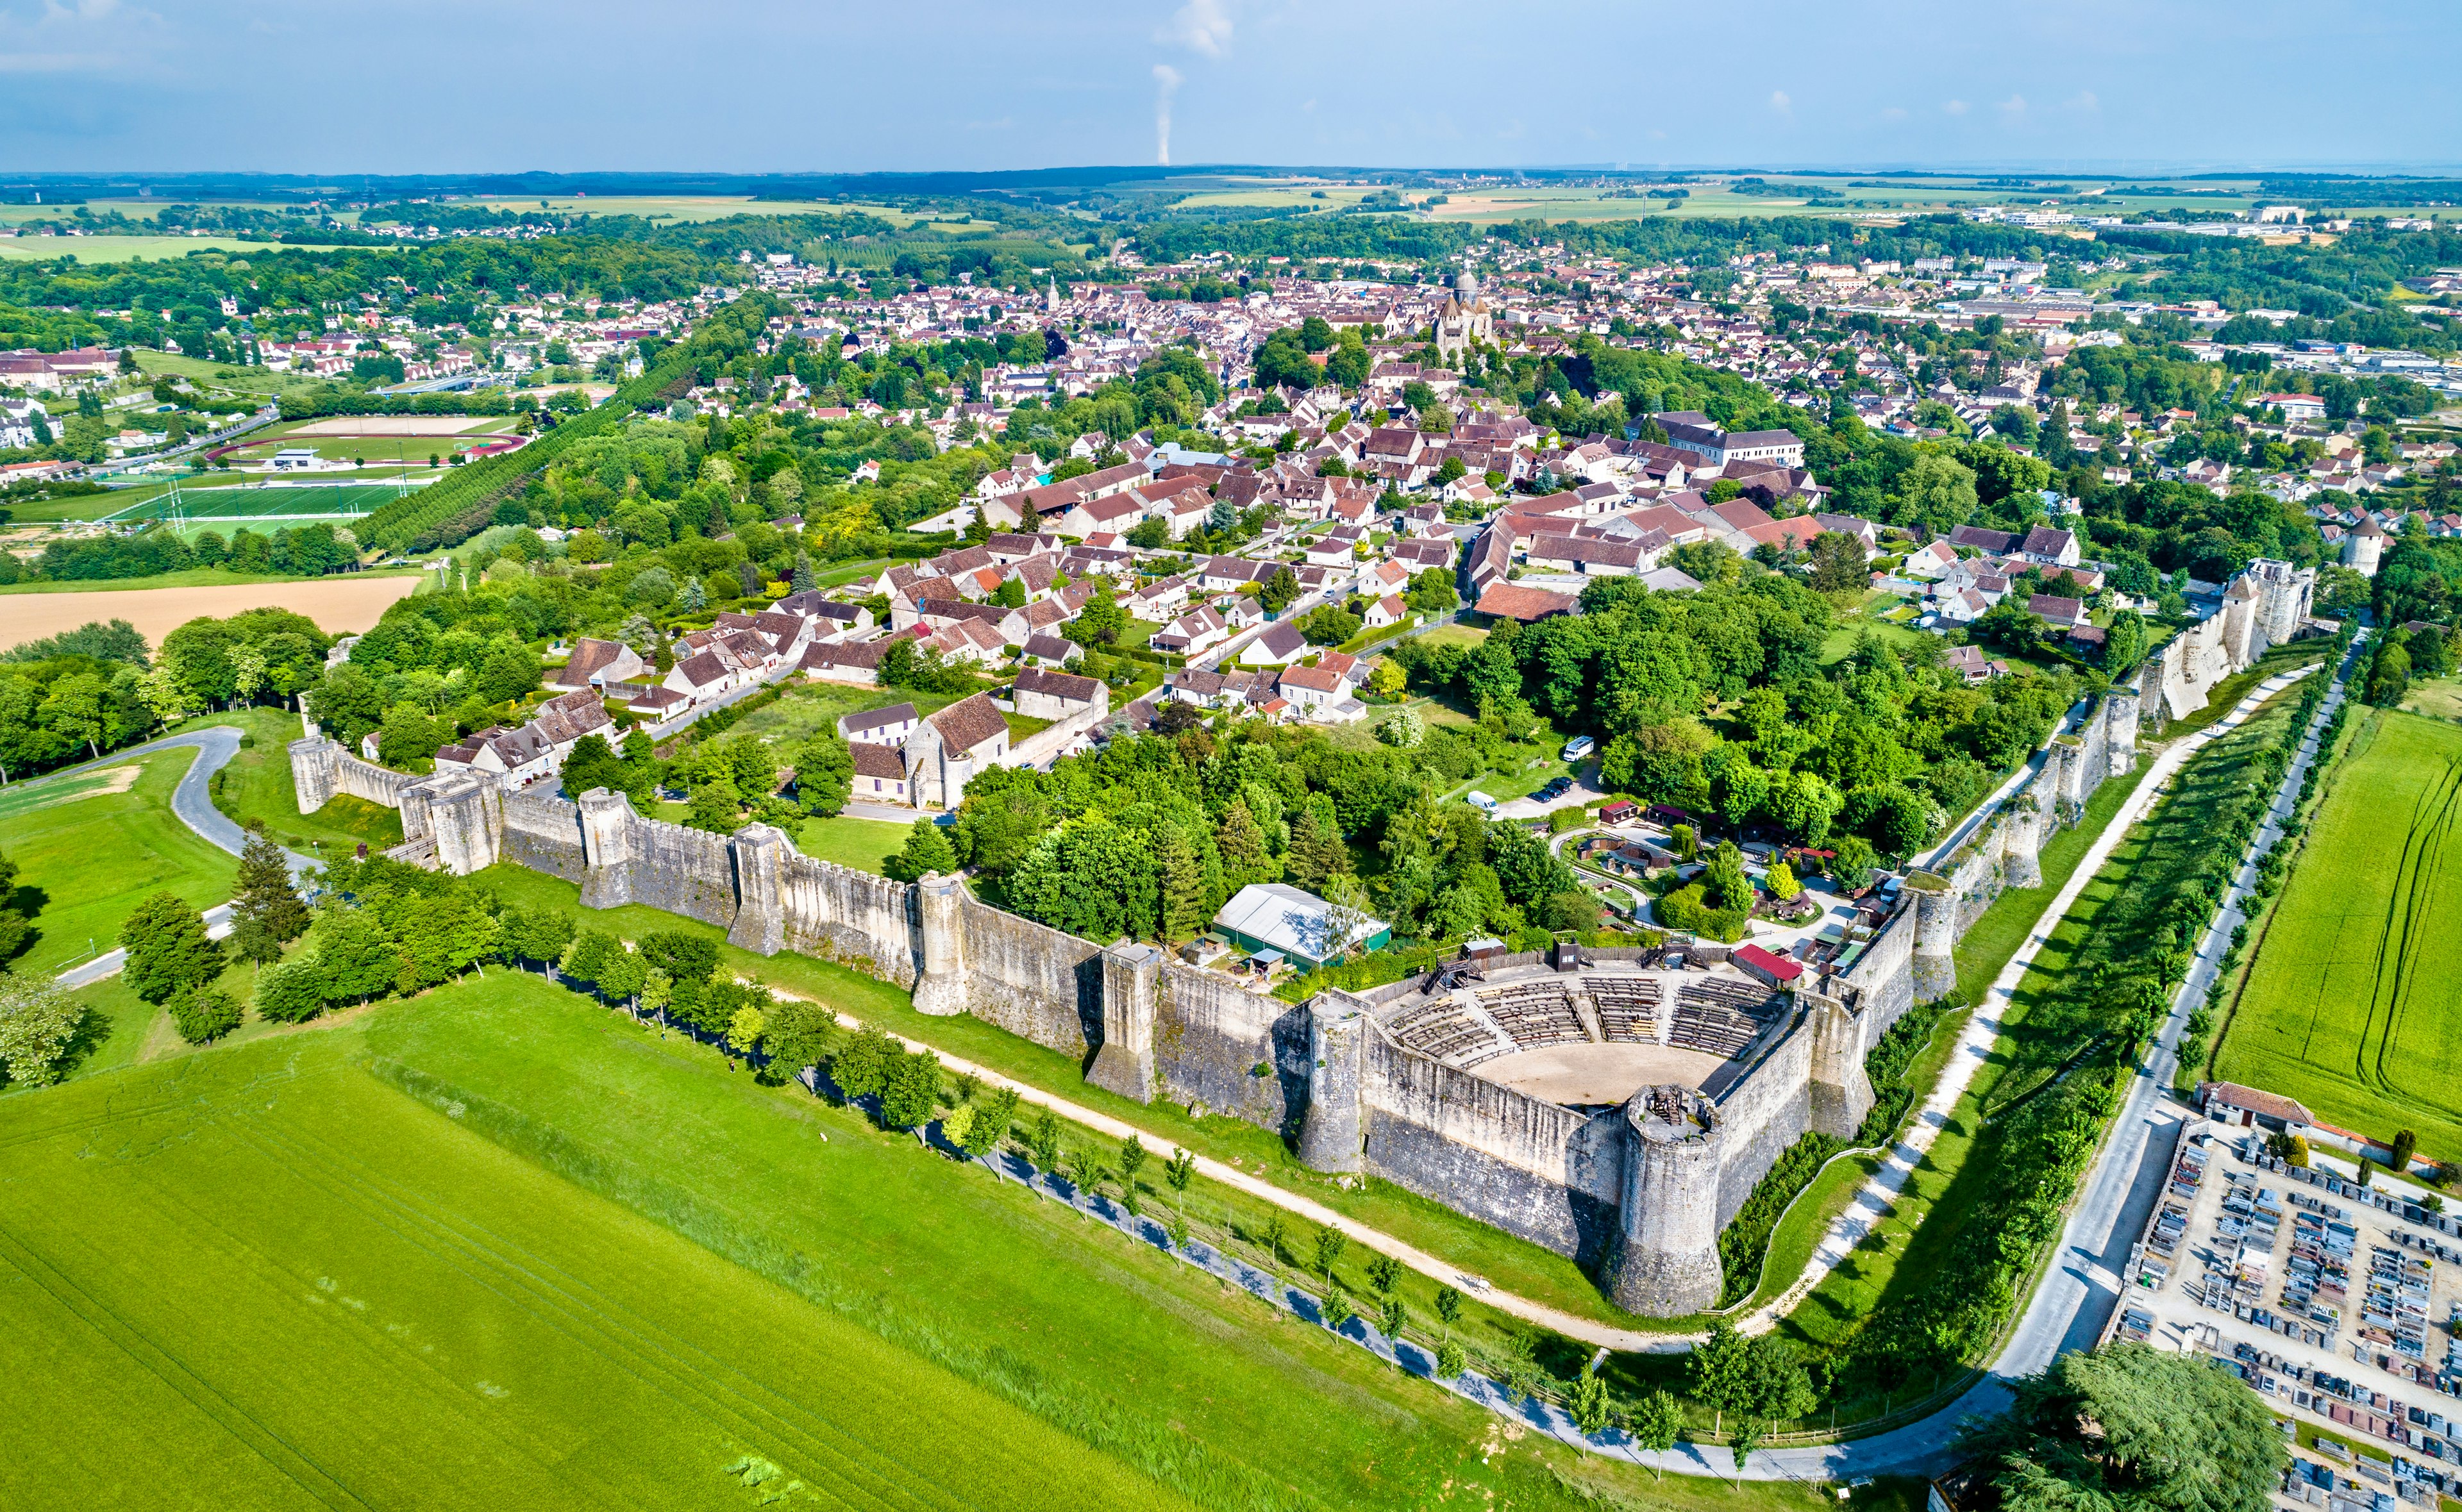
[
  {"x": 1183, "y": 887},
  {"x": 266, "y": 910}
]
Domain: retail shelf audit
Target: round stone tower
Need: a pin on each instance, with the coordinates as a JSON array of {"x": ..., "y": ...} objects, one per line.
[{"x": 1667, "y": 1263}]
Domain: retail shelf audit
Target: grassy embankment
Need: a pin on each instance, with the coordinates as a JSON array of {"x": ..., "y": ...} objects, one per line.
[
  {"x": 90, "y": 847},
  {"x": 584, "y": 1263}
]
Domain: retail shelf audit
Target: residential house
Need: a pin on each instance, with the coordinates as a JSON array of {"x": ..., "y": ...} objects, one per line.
[
  {"x": 1042, "y": 695},
  {"x": 594, "y": 663},
  {"x": 951, "y": 747},
  {"x": 1280, "y": 645},
  {"x": 884, "y": 726},
  {"x": 1198, "y": 630},
  {"x": 1529, "y": 605},
  {"x": 879, "y": 773}
]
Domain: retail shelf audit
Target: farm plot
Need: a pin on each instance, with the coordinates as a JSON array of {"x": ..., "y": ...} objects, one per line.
[
  {"x": 2348, "y": 1003},
  {"x": 374, "y": 1307}
]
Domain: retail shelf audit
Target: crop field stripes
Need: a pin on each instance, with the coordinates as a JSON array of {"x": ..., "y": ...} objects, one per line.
[
  {"x": 2414, "y": 894},
  {"x": 166, "y": 1367},
  {"x": 677, "y": 1372}
]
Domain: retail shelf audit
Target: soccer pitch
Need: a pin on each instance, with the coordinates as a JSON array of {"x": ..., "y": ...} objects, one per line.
[
  {"x": 2348, "y": 1004},
  {"x": 314, "y": 502}
]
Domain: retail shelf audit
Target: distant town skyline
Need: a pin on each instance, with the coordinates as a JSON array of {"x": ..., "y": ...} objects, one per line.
[{"x": 743, "y": 85}]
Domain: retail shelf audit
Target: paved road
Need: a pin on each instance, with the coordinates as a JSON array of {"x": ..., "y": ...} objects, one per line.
[{"x": 194, "y": 803}]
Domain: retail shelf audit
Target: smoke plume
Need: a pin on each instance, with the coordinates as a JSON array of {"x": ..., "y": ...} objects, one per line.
[{"x": 1166, "y": 82}]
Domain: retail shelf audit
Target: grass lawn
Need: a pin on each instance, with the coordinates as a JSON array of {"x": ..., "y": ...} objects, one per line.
[
  {"x": 2347, "y": 1002},
  {"x": 2437, "y": 699},
  {"x": 862, "y": 844},
  {"x": 807, "y": 709},
  {"x": 256, "y": 786},
  {"x": 88, "y": 858},
  {"x": 1851, "y": 629},
  {"x": 1455, "y": 635},
  {"x": 2051, "y": 1018},
  {"x": 499, "y": 1244}
]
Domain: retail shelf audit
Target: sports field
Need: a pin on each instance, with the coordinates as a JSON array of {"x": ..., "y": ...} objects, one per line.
[
  {"x": 499, "y": 1246},
  {"x": 2349, "y": 1002},
  {"x": 299, "y": 501}
]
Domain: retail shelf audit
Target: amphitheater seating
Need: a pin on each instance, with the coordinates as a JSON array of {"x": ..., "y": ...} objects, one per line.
[
  {"x": 1536, "y": 1015},
  {"x": 1720, "y": 1014},
  {"x": 1443, "y": 1029},
  {"x": 1628, "y": 1009}
]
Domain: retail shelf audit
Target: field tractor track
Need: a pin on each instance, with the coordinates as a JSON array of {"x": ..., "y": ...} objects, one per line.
[
  {"x": 680, "y": 1373},
  {"x": 2414, "y": 890},
  {"x": 277, "y": 1453}
]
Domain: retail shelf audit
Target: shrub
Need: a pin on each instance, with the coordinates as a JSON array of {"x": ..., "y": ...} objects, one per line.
[{"x": 202, "y": 1014}]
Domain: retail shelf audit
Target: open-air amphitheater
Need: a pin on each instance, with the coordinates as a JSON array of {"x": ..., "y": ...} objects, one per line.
[{"x": 1601, "y": 1102}]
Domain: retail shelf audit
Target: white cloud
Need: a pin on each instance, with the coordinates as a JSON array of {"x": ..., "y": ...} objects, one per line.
[
  {"x": 1894, "y": 113},
  {"x": 2012, "y": 108},
  {"x": 1200, "y": 26},
  {"x": 1166, "y": 82},
  {"x": 1955, "y": 107},
  {"x": 1781, "y": 103},
  {"x": 2084, "y": 100}
]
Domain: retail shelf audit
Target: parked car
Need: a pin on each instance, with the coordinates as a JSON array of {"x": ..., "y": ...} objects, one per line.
[
  {"x": 1579, "y": 747},
  {"x": 1479, "y": 801}
]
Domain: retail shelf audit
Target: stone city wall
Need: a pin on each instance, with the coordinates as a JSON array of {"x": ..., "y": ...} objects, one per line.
[
  {"x": 1229, "y": 1051},
  {"x": 543, "y": 834},
  {"x": 854, "y": 917},
  {"x": 1547, "y": 1174},
  {"x": 1034, "y": 982}
]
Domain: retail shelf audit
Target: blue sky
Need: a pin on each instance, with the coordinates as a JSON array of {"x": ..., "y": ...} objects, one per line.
[{"x": 454, "y": 85}]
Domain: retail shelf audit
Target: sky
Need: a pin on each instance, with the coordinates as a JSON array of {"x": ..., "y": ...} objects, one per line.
[{"x": 406, "y": 86}]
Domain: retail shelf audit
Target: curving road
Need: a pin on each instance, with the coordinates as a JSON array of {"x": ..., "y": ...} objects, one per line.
[{"x": 193, "y": 801}]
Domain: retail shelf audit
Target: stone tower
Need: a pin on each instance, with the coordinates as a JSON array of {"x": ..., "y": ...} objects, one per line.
[
  {"x": 1132, "y": 981},
  {"x": 1333, "y": 1134},
  {"x": 1666, "y": 1264},
  {"x": 940, "y": 922}
]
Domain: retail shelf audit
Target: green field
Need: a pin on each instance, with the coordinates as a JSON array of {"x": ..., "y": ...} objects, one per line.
[
  {"x": 2347, "y": 1005},
  {"x": 131, "y": 249},
  {"x": 862, "y": 844},
  {"x": 92, "y": 853},
  {"x": 323, "y": 500},
  {"x": 500, "y": 1247}
]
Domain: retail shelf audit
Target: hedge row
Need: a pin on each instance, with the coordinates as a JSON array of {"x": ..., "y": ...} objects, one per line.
[{"x": 451, "y": 511}]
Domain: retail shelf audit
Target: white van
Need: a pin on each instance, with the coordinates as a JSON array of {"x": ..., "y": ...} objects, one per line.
[
  {"x": 1479, "y": 801},
  {"x": 1579, "y": 747}
]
